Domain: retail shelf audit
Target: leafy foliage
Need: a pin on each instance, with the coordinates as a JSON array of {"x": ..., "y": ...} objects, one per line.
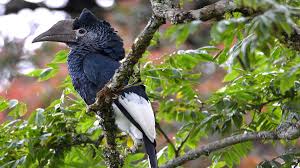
[
  {"x": 261, "y": 88},
  {"x": 290, "y": 159},
  {"x": 52, "y": 68},
  {"x": 42, "y": 140}
]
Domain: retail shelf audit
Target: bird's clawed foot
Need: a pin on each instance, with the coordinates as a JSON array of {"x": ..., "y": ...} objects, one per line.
[
  {"x": 90, "y": 108},
  {"x": 135, "y": 147}
]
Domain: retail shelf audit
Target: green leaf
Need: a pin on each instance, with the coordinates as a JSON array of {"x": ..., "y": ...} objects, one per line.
[
  {"x": 209, "y": 48},
  {"x": 286, "y": 27},
  {"x": 18, "y": 109},
  {"x": 130, "y": 159},
  {"x": 237, "y": 120},
  {"x": 48, "y": 73},
  {"x": 52, "y": 69},
  {"x": 218, "y": 164},
  {"x": 39, "y": 117},
  {"x": 182, "y": 36},
  {"x": 13, "y": 103},
  {"x": 287, "y": 82},
  {"x": 231, "y": 76},
  {"x": 60, "y": 57},
  {"x": 34, "y": 73},
  {"x": 3, "y": 105}
]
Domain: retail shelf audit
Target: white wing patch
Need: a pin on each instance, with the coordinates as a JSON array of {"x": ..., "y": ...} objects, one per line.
[
  {"x": 125, "y": 125},
  {"x": 141, "y": 111}
]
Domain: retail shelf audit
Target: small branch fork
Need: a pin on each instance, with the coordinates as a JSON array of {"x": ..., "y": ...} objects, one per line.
[
  {"x": 176, "y": 150},
  {"x": 162, "y": 10},
  {"x": 165, "y": 136}
]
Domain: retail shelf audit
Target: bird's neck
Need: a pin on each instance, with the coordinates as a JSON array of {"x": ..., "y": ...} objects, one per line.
[{"x": 75, "y": 61}]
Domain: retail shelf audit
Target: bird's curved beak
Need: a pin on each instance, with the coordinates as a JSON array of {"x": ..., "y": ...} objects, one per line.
[{"x": 62, "y": 31}]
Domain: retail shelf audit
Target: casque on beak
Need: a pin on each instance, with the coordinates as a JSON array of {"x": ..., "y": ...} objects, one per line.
[{"x": 62, "y": 31}]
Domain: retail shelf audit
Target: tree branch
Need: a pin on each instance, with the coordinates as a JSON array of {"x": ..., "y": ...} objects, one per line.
[
  {"x": 106, "y": 96},
  {"x": 176, "y": 15},
  {"x": 217, "y": 10},
  {"x": 291, "y": 132}
]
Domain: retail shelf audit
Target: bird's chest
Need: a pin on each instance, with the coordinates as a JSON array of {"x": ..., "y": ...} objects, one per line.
[{"x": 85, "y": 88}]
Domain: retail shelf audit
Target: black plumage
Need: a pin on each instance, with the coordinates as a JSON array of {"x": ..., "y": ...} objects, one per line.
[{"x": 96, "y": 50}]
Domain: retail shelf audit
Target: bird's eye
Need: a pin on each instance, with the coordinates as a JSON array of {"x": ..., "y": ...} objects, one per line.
[{"x": 81, "y": 32}]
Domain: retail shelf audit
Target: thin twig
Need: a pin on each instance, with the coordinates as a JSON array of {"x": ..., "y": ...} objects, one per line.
[
  {"x": 165, "y": 136},
  {"x": 241, "y": 63},
  {"x": 184, "y": 141},
  {"x": 99, "y": 140}
]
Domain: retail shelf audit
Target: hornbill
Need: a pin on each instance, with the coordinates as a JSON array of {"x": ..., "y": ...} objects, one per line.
[{"x": 95, "y": 54}]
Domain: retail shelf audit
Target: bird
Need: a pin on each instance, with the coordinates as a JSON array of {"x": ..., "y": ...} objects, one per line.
[{"x": 95, "y": 54}]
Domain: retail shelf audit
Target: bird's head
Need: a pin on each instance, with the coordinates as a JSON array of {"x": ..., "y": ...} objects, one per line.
[{"x": 88, "y": 32}]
